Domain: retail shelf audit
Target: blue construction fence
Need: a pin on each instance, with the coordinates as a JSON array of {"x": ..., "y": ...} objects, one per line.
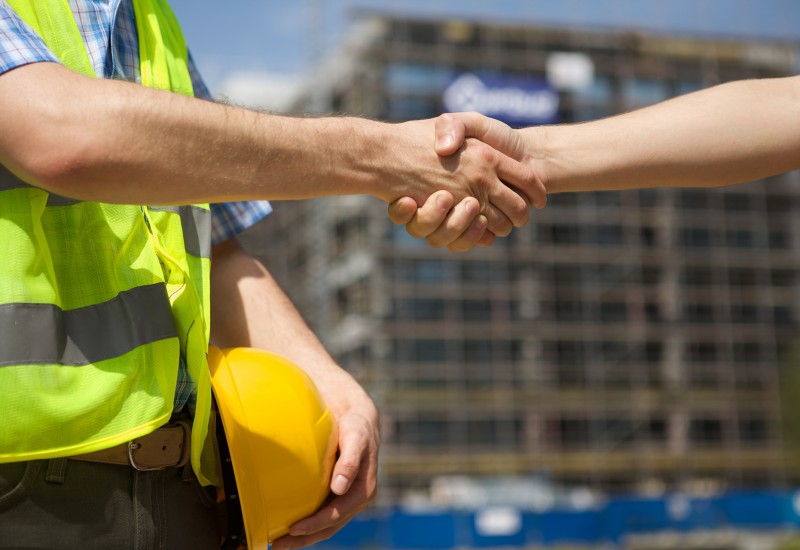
[{"x": 608, "y": 523}]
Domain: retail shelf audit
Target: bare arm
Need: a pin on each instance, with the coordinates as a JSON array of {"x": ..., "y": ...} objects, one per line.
[
  {"x": 732, "y": 133},
  {"x": 114, "y": 141},
  {"x": 249, "y": 309}
]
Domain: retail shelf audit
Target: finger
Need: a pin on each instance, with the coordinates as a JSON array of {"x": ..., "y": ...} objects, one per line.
[
  {"x": 289, "y": 542},
  {"x": 338, "y": 511},
  {"x": 511, "y": 203},
  {"x": 402, "y": 210},
  {"x": 323, "y": 519},
  {"x": 430, "y": 215},
  {"x": 523, "y": 179},
  {"x": 352, "y": 446},
  {"x": 497, "y": 222},
  {"x": 509, "y": 196},
  {"x": 471, "y": 237},
  {"x": 457, "y": 222},
  {"x": 358, "y": 466},
  {"x": 502, "y": 197},
  {"x": 487, "y": 239}
]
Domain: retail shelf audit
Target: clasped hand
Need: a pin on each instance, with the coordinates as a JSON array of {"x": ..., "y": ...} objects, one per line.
[{"x": 500, "y": 200}]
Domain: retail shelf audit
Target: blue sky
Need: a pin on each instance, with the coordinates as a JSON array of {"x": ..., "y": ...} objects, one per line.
[{"x": 279, "y": 36}]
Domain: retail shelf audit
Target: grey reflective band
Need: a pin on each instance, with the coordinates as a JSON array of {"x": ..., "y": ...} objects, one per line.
[
  {"x": 196, "y": 225},
  {"x": 59, "y": 200},
  {"x": 32, "y": 334},
  {"x": 9, "y": 181}
]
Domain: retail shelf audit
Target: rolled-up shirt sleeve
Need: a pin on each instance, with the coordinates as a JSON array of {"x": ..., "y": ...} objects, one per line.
[
  {"x": 19, "y": 43},
  {"x": 231, "y": 218}
]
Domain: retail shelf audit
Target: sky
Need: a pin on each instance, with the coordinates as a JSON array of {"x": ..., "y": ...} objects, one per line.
[{"x": 273, "y": 43}]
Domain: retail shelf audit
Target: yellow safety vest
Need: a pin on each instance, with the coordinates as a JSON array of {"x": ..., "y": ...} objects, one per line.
[{"x": 98, "y": 301}]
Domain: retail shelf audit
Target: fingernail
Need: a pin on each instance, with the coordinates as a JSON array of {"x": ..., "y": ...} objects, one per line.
[
  {"x": 445, "y": 141},
  {"x": 471, "y": 207},
  {"x": 442, "y": 202},
  {"x": 340, "y": 484}
]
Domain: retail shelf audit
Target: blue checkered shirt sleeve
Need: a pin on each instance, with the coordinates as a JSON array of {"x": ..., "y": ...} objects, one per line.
[
  {"x": 19, "y": 44},
  {"x": 231, "y": 218}
]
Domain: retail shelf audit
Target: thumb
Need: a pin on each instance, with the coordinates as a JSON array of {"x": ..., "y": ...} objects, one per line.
[
  {"x": 451, "y": 131},
  {"x": 352, "y": 446},
  {"x": 453, "y": 128}
]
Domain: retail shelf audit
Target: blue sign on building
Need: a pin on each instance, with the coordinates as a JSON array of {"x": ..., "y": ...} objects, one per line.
[{"x": 514, "y": 100}]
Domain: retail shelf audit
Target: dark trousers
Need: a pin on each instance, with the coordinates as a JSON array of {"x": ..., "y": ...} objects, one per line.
[{"x": 71, "y": 504}]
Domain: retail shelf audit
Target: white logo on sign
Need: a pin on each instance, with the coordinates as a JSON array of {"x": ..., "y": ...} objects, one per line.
[{"x": 469, "y": 93}]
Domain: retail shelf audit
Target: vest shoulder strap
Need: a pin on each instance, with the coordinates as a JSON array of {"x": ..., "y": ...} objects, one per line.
[{"x": 54, "y": 22}]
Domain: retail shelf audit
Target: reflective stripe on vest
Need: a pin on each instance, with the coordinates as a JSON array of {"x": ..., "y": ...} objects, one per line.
[{"x": 98, "y": 301}]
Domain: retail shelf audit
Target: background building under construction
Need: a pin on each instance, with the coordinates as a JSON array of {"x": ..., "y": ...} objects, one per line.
[{"x": 631, "y": 341}]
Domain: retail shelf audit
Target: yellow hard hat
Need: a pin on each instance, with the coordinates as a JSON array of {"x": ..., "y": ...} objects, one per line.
[{"x": 281, "y": 435}]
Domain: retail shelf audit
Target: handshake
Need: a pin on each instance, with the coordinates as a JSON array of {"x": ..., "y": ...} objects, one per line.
[
  {"x": 492, "y": 174},
  {"x": 493, "y": 183}
]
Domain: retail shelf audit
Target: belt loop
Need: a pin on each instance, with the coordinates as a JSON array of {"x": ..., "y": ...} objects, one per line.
[{"x": 56, "y": 470}]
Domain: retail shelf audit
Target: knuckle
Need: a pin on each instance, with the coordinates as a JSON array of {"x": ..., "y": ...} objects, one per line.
[
  {"x": 459, "y": 247},
  {"x": 348, "y": 466},
  {"x": 336, "y": 515},
  {"x": 399, "y": 218},
  {"x": 520, "y": 212},
  {"x": 435, "y": 242},
  {"x": 483, "y": 186},
  {"x": 414, "y": 231},
  {"x": 502, "y": 228},
  {"x": 488, "y": 155}
]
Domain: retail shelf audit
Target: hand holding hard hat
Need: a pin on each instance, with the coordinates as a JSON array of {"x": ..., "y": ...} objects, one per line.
[{"x": 281, "y": 435}]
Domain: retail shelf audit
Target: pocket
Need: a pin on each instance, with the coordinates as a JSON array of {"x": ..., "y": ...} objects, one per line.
[{"x": 15, "y": 479}]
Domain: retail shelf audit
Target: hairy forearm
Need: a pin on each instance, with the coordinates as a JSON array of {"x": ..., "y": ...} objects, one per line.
[
  {"x": 728, "y": 134},
  {"x": 248, "y": 308},
  {"x": 116, "y": 142}
]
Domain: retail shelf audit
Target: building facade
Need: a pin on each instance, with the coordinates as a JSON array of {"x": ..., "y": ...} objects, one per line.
[{"x": 625, "y": 341}]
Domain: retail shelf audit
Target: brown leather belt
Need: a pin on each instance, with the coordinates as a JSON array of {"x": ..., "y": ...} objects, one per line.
[{"x": 166, "y": 447}]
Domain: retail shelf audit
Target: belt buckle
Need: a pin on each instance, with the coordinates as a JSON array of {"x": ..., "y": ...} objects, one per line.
[
  {"x": 185, "y": 454},
  {"x": 132, "y": 446}
]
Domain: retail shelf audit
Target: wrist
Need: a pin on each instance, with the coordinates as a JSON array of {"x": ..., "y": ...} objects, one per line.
[
  {"x": 360, "y": 164},
  {"x": 539, "y": 148}
]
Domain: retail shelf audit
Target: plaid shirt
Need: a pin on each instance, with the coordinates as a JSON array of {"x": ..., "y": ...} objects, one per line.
[{"x": 108, "y": 28}]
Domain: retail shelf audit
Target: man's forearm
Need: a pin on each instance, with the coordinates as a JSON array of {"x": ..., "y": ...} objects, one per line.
[
  {"x": 248, "y": 308},
  {"x": 116, "y": 142},
  {"x": 119, "y": 142},
  {"x": 728, "y": 134}
]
